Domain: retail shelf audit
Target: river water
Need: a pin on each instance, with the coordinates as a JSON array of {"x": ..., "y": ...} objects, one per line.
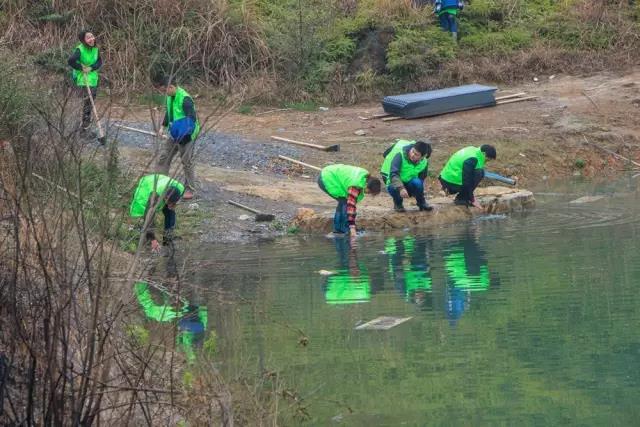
[{"x": 521, "y": 319}]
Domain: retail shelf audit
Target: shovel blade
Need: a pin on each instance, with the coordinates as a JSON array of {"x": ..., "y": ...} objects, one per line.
[
  {"x": 264, "y": 217},
  {"x": 333, "y": 148}
]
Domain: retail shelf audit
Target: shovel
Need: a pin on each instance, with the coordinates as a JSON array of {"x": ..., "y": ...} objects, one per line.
[
  {"x": 335, "y": 147},
  {"x": 259, "y": 215},
  {"x": 101, "y": 137}
]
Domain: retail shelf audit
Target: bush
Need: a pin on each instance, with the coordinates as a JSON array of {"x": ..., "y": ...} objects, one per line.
[
  {"x": 416, "y": 52},
  {"x": 497, "y": 42}
]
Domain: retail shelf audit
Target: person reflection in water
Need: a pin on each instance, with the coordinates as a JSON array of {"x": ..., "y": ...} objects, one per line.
[
  {"x": 163, "y": 308},
  {"x": 409, "y": 269},
  {"x": 467, "y": 272},
  {"x": 351, "y": 284}
]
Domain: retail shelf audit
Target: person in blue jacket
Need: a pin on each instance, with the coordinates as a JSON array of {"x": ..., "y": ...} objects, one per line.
[{"x": 447, "y": 11}]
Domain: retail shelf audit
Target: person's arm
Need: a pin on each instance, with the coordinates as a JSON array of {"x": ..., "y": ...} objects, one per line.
[
  {"x": 423, "y": 175},
  {"x": 468, "y": 170},
  {"x": 149, "y": 231},
  {"x": 394, "y": 173},
  {"x": 189, "y": 108},
  {"x": 352, "y": 199},
  {"x": 74, "y": 60},
  {"x": 98, "y": 64}
]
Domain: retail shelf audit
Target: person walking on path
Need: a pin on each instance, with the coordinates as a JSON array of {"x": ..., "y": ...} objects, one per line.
[
  {"x": 181, "y": 121},
  {"x": 463, "y": 172},
  {"x": 447, "y": 11}
]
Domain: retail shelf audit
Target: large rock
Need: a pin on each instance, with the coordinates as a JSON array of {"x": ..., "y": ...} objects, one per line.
[{"x": 495, "y": 200}]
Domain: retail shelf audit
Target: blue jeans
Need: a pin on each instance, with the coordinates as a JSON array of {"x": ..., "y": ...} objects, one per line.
[
  {"x": 448, "y": 22},
  {"x": 415, "y": 188},
  {"x": 340, "y": 224}
]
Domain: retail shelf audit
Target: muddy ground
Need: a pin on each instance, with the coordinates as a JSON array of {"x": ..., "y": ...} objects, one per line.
[{"x": 551, "y": 138}]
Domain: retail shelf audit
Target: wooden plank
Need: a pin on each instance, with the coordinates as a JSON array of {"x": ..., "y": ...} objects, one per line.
[
  {"x": 382, "y": 323},
  {"x": 375, "y": 116},
  {"x": 298, "y": 162},
  {"x": 390, "y": 119},
  {"x": 528, "y": 98},
  {"x": 515, "y": 95}
]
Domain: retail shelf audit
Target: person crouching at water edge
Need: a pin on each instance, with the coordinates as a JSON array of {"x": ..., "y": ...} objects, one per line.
[
  {"x": 163, "y": 193},
  {"x": 347, "y": 185},
  {"x": 404, "y": 170},
  {"x": 463, "y": 172}
]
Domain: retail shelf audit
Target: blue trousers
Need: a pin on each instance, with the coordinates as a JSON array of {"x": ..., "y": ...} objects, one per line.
[
  {"x": 340, "y": 224},
  {"x": 448, "y": 22},
  {"x": 415, "y": 188}
]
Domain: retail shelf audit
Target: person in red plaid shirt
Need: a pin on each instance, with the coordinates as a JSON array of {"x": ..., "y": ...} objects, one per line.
[{"x": 347, "y": 185}]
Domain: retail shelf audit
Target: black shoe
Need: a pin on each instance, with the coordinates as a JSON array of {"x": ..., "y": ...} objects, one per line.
[
  {"x": 425, "y": 208},
  {"x": 399, "y": 208}
]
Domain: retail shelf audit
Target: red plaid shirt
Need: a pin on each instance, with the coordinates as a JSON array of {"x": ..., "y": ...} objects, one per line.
[{"x": 352, "y": 199}]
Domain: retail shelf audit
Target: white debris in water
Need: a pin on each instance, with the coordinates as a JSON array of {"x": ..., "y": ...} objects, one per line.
[
  {"x": 383, "y": 323},
  {"x": 586, "y": 199}
]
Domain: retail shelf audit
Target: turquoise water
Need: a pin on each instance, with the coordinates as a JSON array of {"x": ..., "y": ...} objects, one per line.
[{"x": 521, "y": 319}]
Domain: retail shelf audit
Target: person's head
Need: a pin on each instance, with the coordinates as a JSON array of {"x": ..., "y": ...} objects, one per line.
[
  {"x": 489, "y": 151},
  {"x": 419, "y": 151},
  {"x": 87, "y": 38},
  {"x": 171, "y": 197},
  {"x": 164, "y": 84},
  {"x": 373, "y": 186}
]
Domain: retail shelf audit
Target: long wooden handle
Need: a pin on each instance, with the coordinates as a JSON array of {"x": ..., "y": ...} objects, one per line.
[
  {"x": 231, "y": 202},
  {"x": 146, "y": 132},
  {"x": 509, "y": 101},
  {"x": 298, "y": 162},
  {"x": 515, "y": 95},
  {"x": 304, "y": 144},
  {"x": 93, "y": 107}
]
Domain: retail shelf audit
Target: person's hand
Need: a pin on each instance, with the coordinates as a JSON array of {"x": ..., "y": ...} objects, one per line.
[
  {"x": 155, "y": 246},
  {"x": 475, "y": 204},
  {"x": 352, "y": 231},
  {"x": 404, "y": 194},
  {"x": 161, "y": 132},
  {"x": 86, "y": 69}
]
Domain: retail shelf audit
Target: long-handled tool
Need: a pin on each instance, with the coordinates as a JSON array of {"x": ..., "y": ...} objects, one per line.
[
  {"x": 259, "y": 215},
  {"x": 498, "y": 177},
  {"x": 145, "y": 132},
  {"x": 334, "y": 147},
  {"x": 298, "y": 162},
  {"x": 101, "y": 137}
]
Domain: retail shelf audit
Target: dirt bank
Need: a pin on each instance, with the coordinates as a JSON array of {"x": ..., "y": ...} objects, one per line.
[{"x": 536, "y": 140}]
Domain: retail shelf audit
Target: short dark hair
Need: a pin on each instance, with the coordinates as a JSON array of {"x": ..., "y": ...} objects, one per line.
[
  {"x": 489, "y": 151},
  {"x": 83, "y": 33},
  {"x": 423, "y": 147},
  {"x": 374, "y": 185},
  {"x": 173, "y": 195}
]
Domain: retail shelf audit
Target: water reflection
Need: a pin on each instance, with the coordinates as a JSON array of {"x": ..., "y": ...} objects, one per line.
[
  {"x": 409, "y": 268},
  {"x": 467, "y": 272},
  {"x": 351, "y": 283},
  {"x": 160, "y": 306}
]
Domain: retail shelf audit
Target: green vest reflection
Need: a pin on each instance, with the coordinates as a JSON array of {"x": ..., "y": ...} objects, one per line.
[
  {"x": 191, "y": 319},
  {"x": 409, "y": 268},
  {"x": 351, "y": 283},
  {"x": 467, "y": 272}
]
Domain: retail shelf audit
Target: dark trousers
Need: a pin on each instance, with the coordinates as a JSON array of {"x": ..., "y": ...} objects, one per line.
[
  {"x": 463, "y": 193},
  {"x": 415, "y": 188},
  {"x": 169, "y": 224},
  {"x": 340, "y": 224},
  {"x": 86, "y": 105},
  {"x": 448, "y": 22}
]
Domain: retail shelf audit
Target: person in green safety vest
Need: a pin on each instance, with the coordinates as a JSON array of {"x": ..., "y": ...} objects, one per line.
[
  {"x": 409, "y": 269},
  {"x": 181, "y": 121},
  {"x": 463, "y": 172},
  {"x": 347, "y": 185},
  {"x": 467, "y": 272},
  {"x": 163, "y": 193},
  {"x": 351, "y": 284},
  {"x": 192, "y": 319},
  {"x": 85, "y": 61},
  {"x": 447, "y": 11},
  {"x": 404, "y": 169}
]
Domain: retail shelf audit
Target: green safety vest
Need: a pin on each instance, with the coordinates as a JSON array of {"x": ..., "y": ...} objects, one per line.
[
  {"x": 342, "y": 288},
  {"x": 409, "y": 170},
  {"x": 457, "y": 270},
  {"x": 145, "y": 188},
  {"x": 414, "y": 279},
  {"x": 338, "y": 178},
  {"x": 452, "y": 171},
  {"x": 88, "y": 57},
  {"x": 176, "y": 112}
]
